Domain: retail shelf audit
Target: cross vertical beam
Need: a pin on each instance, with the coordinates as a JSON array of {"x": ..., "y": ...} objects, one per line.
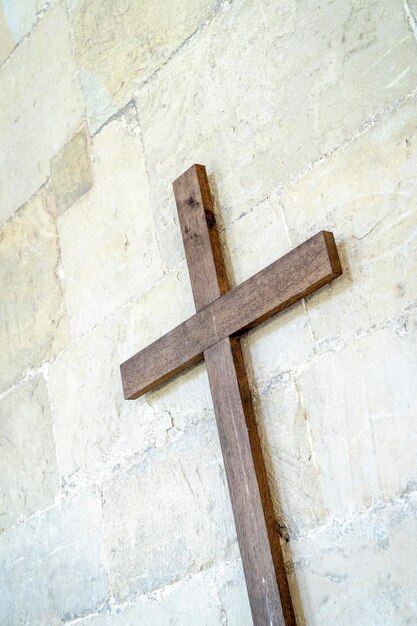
[
  {"x": 212, "y": 334},
  {"x": 250, "y": 496}
]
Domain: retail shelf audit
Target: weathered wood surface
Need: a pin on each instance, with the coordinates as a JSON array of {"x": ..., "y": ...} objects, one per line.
[
  {"x": 245, "y": 470},
  {"x": 292, "y": 277},
  {"x": 256, "y": 527},
  {"x": 199, "y": 233},
  {"x": 213, "y": 334}
]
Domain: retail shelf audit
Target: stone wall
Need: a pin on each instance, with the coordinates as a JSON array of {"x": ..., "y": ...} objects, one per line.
[{"x": 116, "y": 513}]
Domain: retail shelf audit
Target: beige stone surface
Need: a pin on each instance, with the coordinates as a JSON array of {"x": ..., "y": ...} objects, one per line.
[
  {"x": 233, "y": 595},
  {"x": 213, "y": 597},
  {"x": 28, "y": 468},
  {"x": 33, "y": 125},
  {"x": 6, "y": 37},
  {"x": 109, "y": 248},
  {"x": 185, "y": 484},
  {"x": 120, "y": 44},
  {"x": 71, "y": 172},
  {"x": 280, "y": 344},
  {"x": 190, "y": 603},
  {"x": 366, "y": 195},
  {"x": 410, "y": 9},
  {"x": 38, "y": 561},
  {"x": 360, "y": 407},
  {"x": 359, "y": 571},
  {"x": 20, "y": 16},
  {"x": 33, "y": 323},
  {"x": 270, "y": 88},
  {"x": 96, "y": 429},
  {"x": 250, "y": 243},
  {"x": 290, "y": 457},
  {"x": 254, "y": 240},
  {"x": 17, "y": 19},
  {"x": 117, "y": 512}
]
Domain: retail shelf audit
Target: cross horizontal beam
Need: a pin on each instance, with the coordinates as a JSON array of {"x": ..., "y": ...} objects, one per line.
[{"x": 294, "y": 276}]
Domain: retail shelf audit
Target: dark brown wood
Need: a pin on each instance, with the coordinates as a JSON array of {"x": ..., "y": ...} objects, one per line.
[
  {"x": 292, "y": 277},
  {"x": 256, "y": 527},
  {"x": 199, "y": 233},
  {"x": 213, "y": 334}
]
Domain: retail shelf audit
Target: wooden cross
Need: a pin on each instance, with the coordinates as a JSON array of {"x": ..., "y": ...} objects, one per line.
[{"x": 213, "y": 334}]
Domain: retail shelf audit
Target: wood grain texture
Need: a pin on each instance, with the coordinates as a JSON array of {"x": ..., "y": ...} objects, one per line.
[
  {"x": 200, "y": 236},
  {"x": 256, "y": 527},
  {"x": 213, "y": 334},
  {"x": 282, "y": 283},
  {"x": 245, "y": 470}
]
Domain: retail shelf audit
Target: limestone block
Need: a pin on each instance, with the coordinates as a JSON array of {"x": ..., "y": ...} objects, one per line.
[
  {"x": 28, "y": 469},
  {"x": 366, "y": 195},
  {"x": 271, "y": 87},
  {"x": 359, "y": 572},
  {"x": 7, "y": 41},
  {"x": 17, "y": 18},
  {"x": 34, "y": 127},
  {"x": 71, "y": 172},
  {"x": 233, "y": 594},
  {"x": 96, "y": 429},
  {"x": 410, "y": 9},
  {"x": 254, "y": 241},
  {"x": 250, "y": 243},
  {"x": 281, "y": 343},
  {"x": 53, "y": 566},
  {"x": 191, "y": 602},
  {"x": 33, "y": 323},
  {"x": 120, "y": 44},
  {"x": 213, "y": 597},
  {"x": 168, "y": 516},
  {"x": 172, "y": 247},
  {"x": 290, "y": 457},
  {"x": 360, "y": 406},
  {"x": 116, "y": 256}
]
